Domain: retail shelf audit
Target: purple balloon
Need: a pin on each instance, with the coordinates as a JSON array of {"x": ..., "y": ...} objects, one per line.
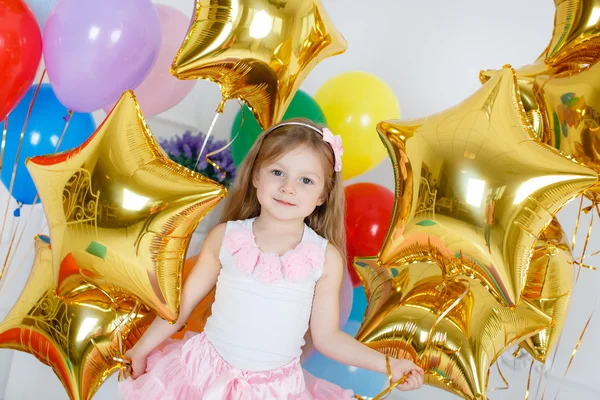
[{"x": 96, "y": 50}]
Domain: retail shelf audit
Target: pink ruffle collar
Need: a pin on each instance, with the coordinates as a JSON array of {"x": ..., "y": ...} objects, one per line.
[{"x": 268, "y": 267}]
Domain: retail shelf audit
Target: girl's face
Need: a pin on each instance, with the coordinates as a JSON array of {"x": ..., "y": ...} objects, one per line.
[{"x": 291, "y": 186}]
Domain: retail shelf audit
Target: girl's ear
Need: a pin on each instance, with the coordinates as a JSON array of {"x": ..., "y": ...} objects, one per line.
[{"x": 255, "y": 180}]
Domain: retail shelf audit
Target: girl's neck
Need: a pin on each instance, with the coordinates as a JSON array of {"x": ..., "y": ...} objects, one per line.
[{"x": 267, "y": 223}]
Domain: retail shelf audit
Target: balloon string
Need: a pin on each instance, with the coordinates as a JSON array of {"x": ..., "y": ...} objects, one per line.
[
  {"x": 537, "y": 390},
  {"x": 62, "y": 135},
  {"x": 529, "y": 380},
  {"x": 67, "y": 118},
  {"x": 443, "y": 315},
  {"x": 446, "y": 311},
  {"x": 14, "y": 274},
  {"x": 592, "y": 255},
  {"x": 214, "y": 164},
  {"x": 553, "y": 363},
  {"x": 577, "y": 222},
  {"x": 384, "y": 395},
  {"x": 14, "y": 172},
  {"x": 585, "y": 245},
  {"x": 7, "y": 263},
  {"x": 579, "y": 342},
  {"x": 596, "y": 252},
  {"x": 3, "y": 145},
  {"x": 582, "y": 265},
  {"x": 123, "y": 362},
  {"x": 503, "y": 379},
  {"x": 15, "y": 166},
  {"x": 10, "y": 246},
  {"x": 212, "y": 126},
  {"x": 576, "y": 348}
]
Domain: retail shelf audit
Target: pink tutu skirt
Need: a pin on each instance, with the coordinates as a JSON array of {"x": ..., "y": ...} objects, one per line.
[{"x": 192, "y": 369}]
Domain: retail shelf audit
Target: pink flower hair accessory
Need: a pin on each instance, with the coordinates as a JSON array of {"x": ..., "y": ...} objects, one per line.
[
  {"x": 335, "y": 141},
  {"x": 336, "y": 145}
]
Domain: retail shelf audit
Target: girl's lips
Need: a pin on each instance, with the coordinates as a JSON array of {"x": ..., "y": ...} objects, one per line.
[{"x": 284, "y": 203}]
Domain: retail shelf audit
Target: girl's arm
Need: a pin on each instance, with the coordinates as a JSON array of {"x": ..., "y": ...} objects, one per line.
[
  {"x": 338, "y": 345},
  {"x": 199, "y": 283}
]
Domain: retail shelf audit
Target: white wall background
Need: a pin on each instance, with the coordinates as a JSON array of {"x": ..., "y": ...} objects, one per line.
[{"x": 430, "y": 53}]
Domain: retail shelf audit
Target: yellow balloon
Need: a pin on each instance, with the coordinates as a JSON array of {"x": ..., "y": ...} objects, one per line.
[{"x": 353, "y": 104}]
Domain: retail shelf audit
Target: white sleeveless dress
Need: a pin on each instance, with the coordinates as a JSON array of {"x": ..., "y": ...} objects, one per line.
[{"x": 252, "y": 341}]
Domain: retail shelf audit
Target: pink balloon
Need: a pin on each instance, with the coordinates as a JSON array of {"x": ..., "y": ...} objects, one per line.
[{"x": 160, "y": 90}]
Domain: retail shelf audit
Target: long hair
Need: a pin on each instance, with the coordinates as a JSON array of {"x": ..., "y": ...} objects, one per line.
[{"x": 327, "y": 219}]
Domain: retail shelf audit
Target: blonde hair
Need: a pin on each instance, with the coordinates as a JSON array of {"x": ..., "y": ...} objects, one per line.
[{"x": 327, "y": 219}]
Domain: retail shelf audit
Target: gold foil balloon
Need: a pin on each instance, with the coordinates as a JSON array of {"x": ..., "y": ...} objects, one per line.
[
  {"x": 121, "y": 212},
  {"x": 574, "y": 45},
  {"x": 259, "y": 51},
  {"x": 549, "y": 285},
  {"x": 571, "y": 110},
  {"x": 576, "y": 35},
  {"x": 454, "y": 329},
  {"x": 525, "y": 78},
  {"x": 78, "y": 335},
  {"x": 474, "y": 189},
  {"x": 565, "y": 98}
]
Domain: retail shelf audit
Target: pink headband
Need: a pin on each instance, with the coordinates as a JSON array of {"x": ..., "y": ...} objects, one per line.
[{"x": 334, "y": 141}]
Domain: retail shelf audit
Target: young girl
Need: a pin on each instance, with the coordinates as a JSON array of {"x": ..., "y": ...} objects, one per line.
[{"x": 277, "y": 262}]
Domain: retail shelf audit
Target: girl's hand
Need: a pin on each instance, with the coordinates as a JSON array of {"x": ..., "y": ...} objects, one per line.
[
  {"x": 138, "y": 363},
  {"x": 414, "y": 374}
]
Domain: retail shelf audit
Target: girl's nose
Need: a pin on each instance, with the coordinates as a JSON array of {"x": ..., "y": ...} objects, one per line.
[{"x": 288, "y": 187}]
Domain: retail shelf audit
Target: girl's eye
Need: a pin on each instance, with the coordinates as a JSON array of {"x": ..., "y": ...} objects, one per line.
[
  {"x": 277, "y": 172},
  {"x": 307, "y": 181}
]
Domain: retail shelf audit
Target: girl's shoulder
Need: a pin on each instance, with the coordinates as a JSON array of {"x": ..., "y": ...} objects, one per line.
[
  {"x": 215, "y": 236},
  {"x": 236, "y": 224},
  {"x": 220, "y": 231}
]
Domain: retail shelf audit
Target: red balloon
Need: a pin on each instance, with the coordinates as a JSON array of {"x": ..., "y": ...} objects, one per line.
[
  {"x": 369, "y": 210},
  {"x": 20, "y": 52}
]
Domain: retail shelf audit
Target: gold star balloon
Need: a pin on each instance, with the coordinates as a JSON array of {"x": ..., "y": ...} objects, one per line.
[
  {"x": 259, "y": 51},
  {"x": 474, "y": 188},
  {"x": 549, "y": 286},
  {"x": 78, "y": 335},
  {"x": 121, "y": 211},
  {"x": 525, "y": 78},
  {"x": 565, "y": 99},
  {"x": 575, "y": 44},
  {"x": 576, "y": 34},
  {"x": 571, "y": 108},
  {"x": 452, "y": 328}
]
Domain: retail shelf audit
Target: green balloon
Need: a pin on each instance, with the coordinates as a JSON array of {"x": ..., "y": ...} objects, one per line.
[{"x": 302, "y": 105}]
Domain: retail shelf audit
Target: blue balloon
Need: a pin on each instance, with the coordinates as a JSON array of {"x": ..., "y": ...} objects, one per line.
[
  {"x": 41, "y": 9},
  {"x": 359, "y": 304},
  {"x": 362, "y": 381},
  {"x": 44, "y": 128}
]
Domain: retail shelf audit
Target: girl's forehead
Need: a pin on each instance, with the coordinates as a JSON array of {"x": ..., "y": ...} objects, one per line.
[{"x": 303, "y": 157}]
